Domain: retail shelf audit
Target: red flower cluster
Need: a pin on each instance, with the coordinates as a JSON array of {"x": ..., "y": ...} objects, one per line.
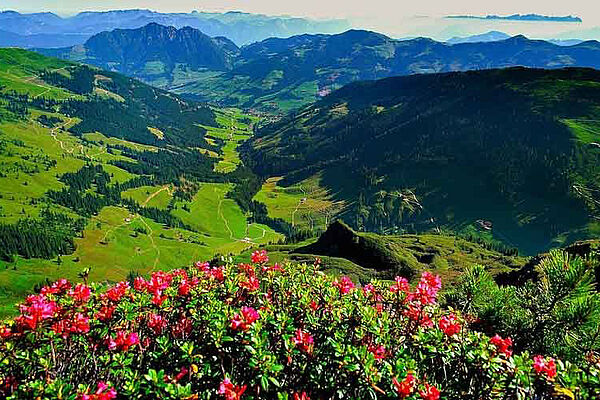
[
  {"x": 416, "y": 313},
  {"x": 231, "y": 391},
  {"x": 79, "y": 324},
  {"x": 105, "y": 313},
  {"x": 301, "y": 396},
  {"x": 157, "y": 323},
  {"x": 543, "y": 366},
  {"x": 58, "y": 287},
  {"x": 429, "y": 392},
  {"x": 344, "y": 284},
  {"x": 503, "y": 345},
  {"x": 81, "y": 293},
  {"x": 304, "y": 341},
  {"x": 34, "y": 310},
  {"x": 252, "y": 283},
  {"x": 406, "y": 387},
  {"x": 259, "y": 257},
  {"x": 158, "y": 283},
  {"x": 401, "y": 286},
  {"x": 427, "y": 289},
  {"x": 215, "y": 273},
  {"x": 242, "y": 322},
  {"x": 123, "y": 341},
  {"x": 378, "y": 351},
  {"x": 449, "y": 325},
  {"x": 102, "y": 393},
  {"x": 116, "y": 293},
  {"x": 186, "y": 284}
]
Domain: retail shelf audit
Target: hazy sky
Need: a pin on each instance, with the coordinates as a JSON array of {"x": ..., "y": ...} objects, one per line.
[
  {"x": 399, "y": 17},
  {"x": 325, "y": 8}
]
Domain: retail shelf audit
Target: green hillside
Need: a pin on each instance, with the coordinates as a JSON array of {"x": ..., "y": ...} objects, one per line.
[
  {"x": 100, "y": 172},
  {"x": 365, "y": 256},
  {"x": 508, "y": 155}
]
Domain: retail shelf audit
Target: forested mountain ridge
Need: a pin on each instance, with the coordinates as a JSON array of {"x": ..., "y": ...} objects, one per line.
[
  {"x": 511, "y": 152},
  {"x": 281, "y": 74}
]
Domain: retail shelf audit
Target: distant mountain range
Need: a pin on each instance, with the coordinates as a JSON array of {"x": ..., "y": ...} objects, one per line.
[
  {"x": 281, "y": 74},
  {"x": 496, "y": 36},
  {"x": 50, "y": 30},
  {"x": 520, "y": 17},
  {"x": 513, "y": 152}
]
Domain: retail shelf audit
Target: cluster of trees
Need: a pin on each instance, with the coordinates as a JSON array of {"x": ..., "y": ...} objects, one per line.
[
  {"x": 48, "y": 236},
  {"x": 47, "y": 121},
  {"x": 554, "y": 310},
  {"x": 78, "y": 79},
  {"x": 130, "y": 116},
  {"x": 16, "y": 104},
  {"x": 106, "y": 194},
  {"x": 171, "y": 165}
]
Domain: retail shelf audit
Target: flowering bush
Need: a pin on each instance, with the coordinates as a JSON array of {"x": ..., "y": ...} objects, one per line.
[{"x": 265, "y": 332}]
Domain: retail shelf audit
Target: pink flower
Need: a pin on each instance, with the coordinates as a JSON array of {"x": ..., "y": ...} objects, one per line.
[
  {"x": 272, "y": 268},
  {"x": 117, "y": 292},
  {"x": 543, "y": 366},
  {"x": 449, "y": 325},
  {"x": 123, "y": 341},
  {"x": 102, "y": 393},
  {"x": 81, "y": 293},
  {"x": 427, "y": 289},
  {"x": 416, "y": 313},
  {"x": 368, "y": 289},
  {"x": 80, "y": 324},
  {"x": 259, "y": 257},
  {"x": 304, "y": 341},
  {"x": 344, "y": 284},
  {"x": 252, "y": 284},
  {"x": 406, "y": 387},
  {"x": 231, "y": 391},
  {"x": 401, "y": 285},
  {"x": 502, "y": 345},
  {"x": 243, "y": 322},
  {"x": 429, "y": 392},
  {"x": 156, "y": 323},
  {"x": 58, "y": 287},
  {"x": 139, "y": 284},
  {"x": 378, "y": 351},
  {"x": 105, "y": 313},
  {"x": 34, "y": 310}
]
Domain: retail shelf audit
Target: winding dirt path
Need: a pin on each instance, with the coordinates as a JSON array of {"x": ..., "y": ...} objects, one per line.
[{"x": 153, "y": 195}]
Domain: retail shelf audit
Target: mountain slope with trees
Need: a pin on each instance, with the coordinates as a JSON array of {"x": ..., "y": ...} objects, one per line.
[
  {"x": 511, "y": 153},
  {"x": 281, "y": 74}
]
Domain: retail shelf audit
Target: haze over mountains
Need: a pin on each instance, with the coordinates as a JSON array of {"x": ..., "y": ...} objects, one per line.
[
  {"x": 50, "y": 30},
  {"x": 280, "y": 74}
]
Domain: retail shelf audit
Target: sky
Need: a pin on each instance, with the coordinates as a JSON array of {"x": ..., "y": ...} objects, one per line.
[{"x": 395, "y": 17}]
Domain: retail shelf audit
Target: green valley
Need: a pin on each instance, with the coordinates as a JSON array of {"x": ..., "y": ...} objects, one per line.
[{"x": 88, "y": 187}]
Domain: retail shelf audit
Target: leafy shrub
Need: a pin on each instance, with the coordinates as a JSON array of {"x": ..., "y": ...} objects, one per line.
[
  {"x": 260, "y": 331},
  {"x": 556, "y": 312}
]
